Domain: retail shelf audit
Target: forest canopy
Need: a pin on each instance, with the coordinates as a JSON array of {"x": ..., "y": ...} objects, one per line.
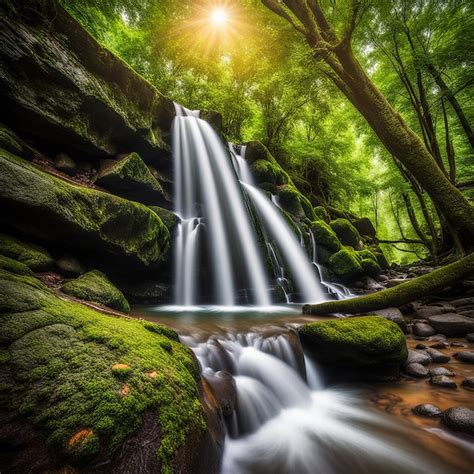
[{"x": 250, "y": 61}]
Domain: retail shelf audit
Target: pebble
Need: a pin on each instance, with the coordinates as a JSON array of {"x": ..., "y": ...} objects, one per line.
[
  {"x": 440, "y": 345},
  {"x": 466, "y": 356},
  {"x": 437, "y": 357},
  {"x": 423, "y": 330},
  {"x": 427, "y": 409},
  {"x": 441, "y": 371},
  {"x": 443, "y": 381},
  {"x": 458, "y": 344},
  {"x": 420, "y": 346},
  {"x": 468, "y": 382},
  {"x": 459, "y": 419},
  {"x": 416, "y": 370}
]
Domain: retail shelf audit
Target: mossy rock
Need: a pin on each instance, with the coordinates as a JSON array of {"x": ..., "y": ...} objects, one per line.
[
  {"x": 130, "y": 178},
  {"x": 323, "y": 254},
  {"x": 345, "y": 264},
  {"x": 325, "y": 235},
  {"x": 95, "y": 286},
  {"x": 365, "y": 227},
  {"x": 169, "y": 219},
  {"x": 371, "y": 267},
  {"x": 9, "y": 141},
  {"x": 33, "y": 256},
  {"x": 14, "y": 266},
  {"x": 381, "y": 259},
  {"x": 290, "y": 200},
  {"x": 268, "y": 172},
  {"x": 322, "y": 214},
  {"x": 366, "y": 254},
  {"x": 122, "y": 232},
  {"x": 62, "y": 356},
  {"x": 346, "y": 232},
  {"x": 361, "y": 342}
]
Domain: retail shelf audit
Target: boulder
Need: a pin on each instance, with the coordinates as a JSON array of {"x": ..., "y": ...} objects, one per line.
[
  {"x": 443, "y": 381},
  {"x": 322, "y": 214},
  {"x": 452, "y": 324},
  {"x": 96, "y": 287},
  {"x": 169, "y": 219},
  {"x": 213, "y": 118},
  {"x": 465, "y": 356},
  {"x": 224, "y": 389},
  {"x": 365, "y": 227},
  {"x": 423, "y": 330},
  {"x": 395, "y": 315},
  {"x": 130, "y": 178},
  {"x": 57, "y": 380},
  {"x": 324, "y": 235},
  {"x": 76, "y": 95},
  {"x": 418, "y": 357},
  {"x": 468, "y": 382},
  {"x": 370, "y": 267},
  {"x": 345, "y": 264},
  {"x": 70, "y": 266},
  {"x": 346, "y": 232},
  {"x": 459, "y": 419},
  {"x": 441, "y": 371},
  {"x": 34, "y": 257},
  {"x": 428, "y": 410},
  {"x": 368, "y": 342},
  {"x": 112, "y": 229},
  {"x": 424, "y": 312},
  {"x": 437, "y": 357},
  {"x": 416, "y": 370},
  {"x": 64, "y": 163}
]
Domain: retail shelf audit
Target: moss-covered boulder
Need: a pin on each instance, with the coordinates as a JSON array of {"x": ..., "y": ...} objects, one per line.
[
  {"x": 14, "y": 266},
  {"x": 95, "y": 286},
  {"x": 169, "y": 219},
  {"x": 365, "y": 227},
  {"x": 346, "y": 265},
  {"x": 321, "y": 213},
  {"x": 130, "y": 178},
  {"x": 368, "y": 342},
  {"x": 33, "y": 256},
  {"x": 9, "y": 141},
  {"x": 346, "y": 232},
  {"x": 107, "y": 227},
  {"x": 213, "y": 118},
  {"x": 324, "y": 235},
  {"x": 76, "y": 95},
  {"x": 83, "y": 389},
  {"x": 371, "y": 267}
]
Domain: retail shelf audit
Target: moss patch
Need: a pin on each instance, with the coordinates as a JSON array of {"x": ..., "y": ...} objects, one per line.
[
  {"x": 95, "y": 286},
  {"x": 355, "y": 342},
  {"x": 322, "y": 213},
  {"x": 33, "y": 256},
  {"x": 345, "y": 264},
  {"x": 324, "y": 235},
  {"x": 168, "y": 218},
  {"x": 346, "y": 232},
  {"x": 63, "y": 353},
  {"x": 13, "y": 266}
]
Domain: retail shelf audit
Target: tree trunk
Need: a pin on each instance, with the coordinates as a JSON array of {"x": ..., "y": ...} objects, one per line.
[{"x": 404, "y": 293}]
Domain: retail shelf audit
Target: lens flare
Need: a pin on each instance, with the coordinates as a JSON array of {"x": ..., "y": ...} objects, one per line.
[{"x": 219, "y": 17}]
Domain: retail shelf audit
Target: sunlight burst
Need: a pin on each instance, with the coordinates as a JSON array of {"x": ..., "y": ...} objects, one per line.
[{"x": 219, "y": 17}]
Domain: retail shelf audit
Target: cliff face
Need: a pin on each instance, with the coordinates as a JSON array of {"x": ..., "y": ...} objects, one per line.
[{"x": 61, "y": 89}]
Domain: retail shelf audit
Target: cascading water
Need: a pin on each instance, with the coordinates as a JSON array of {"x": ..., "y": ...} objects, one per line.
[{"x": 286, "y": 421}]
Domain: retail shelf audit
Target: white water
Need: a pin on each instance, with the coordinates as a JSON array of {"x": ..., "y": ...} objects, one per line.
[
  {"x": 283, "y": 424},
  {"x": 208, "y": 195}
]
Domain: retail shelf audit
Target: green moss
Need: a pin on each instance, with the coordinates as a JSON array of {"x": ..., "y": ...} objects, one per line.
[
  {"x": 13, "y": 266},
  {"x": 10, "y": 141},
  {"x": 366, "y": 254},
  {"x": 83, "y": 217},
  {"x": 33, "y": 256},
  {"x": 371, "y": 267},
  {"x": 355, "y": 342},
  {"x": 346, "y": 232},
  {"x": 271, "y": 172},
  {"x": 321, "y": 213},
  {"x": 95, "y": 286},
  {"x": 168, "y": 218},
  {"x": 62, "y": 354},
  {"x": 345, "y": 264},
  {"x": 290, "y": 200},
  {"x": 399, "y": 295},
  {"x": 324, "y": 235}
]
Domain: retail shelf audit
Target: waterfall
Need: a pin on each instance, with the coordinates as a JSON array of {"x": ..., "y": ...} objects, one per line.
[
  {"x": 286, "y": 420},
  {"x": 210, "y": 204}
]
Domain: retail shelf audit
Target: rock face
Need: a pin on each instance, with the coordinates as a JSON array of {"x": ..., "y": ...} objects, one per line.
[
  {"x": 452, "y": 324},
  {"x": 106, "y": 385},
  {"x": 56, "y": 211},
  {"x": 130, "y": 178},
  {"x": 368, "y": 342},
  {"x": 62, "y": 89},
  {"x": 96, "y": 287}
]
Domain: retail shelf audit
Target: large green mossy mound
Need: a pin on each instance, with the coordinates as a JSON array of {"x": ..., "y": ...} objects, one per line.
[
  {"x": 346, "y": 265},
  {"x": 124, "y": 232},
  {"x": 346, "y": 232},
  {"x": 131, "y": 179},
  {"x": 86, "y": 380},
  {"x": 95, "y": 286},
  {"x": 362, "y": 342},
  {"x": 325, "y": 236},
  {"x": 33, "y": 256}
]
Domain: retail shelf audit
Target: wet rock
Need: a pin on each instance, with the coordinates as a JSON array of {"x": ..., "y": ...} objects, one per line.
[
  {"x": 224, "y": 389},
  {"x": 440, "y": 345},
  {"x": 415, "y": 357},
  {"x": 443, "y": 381},
  {"x": 468, "y": 382},
  {"x": 420, "y": 346},
  {"x": 426, "y": 312},
  {"x": 459, "y": 419},
  {"x": 437, "y": 357},
  {"x": 395, "y": 315},
  {"x": 457, "y": 344},
  {"x": 452, "y": 324},
  {"x": 459, "y": 303},
  {"x": 427, "y": 409},
  {"x": 465, "y": 356},
  {"x": 441, "y": 371},
  {"x": 423, "y": 330},
  {"x": 416, "y": 370},
  {"x": 70, "y": 266},
  {"x": 470, "y": 337},
  {"x": 63, "y": 163},
  {"x": 468, "y": 314},
  {"x": 437, "y": 337}
]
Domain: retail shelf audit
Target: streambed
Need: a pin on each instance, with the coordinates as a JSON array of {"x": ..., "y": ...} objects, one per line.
[{"x": 283, "y": 423}]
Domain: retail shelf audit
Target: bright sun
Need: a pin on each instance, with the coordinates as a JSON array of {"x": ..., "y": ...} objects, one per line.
[{"x": 219, "y": 17}]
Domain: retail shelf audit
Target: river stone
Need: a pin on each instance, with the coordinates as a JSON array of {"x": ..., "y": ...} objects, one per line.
[
  {"x": 437, "y": 357},
  {"x": 465, "y": 356},
  {"x": 423, "y": 330},
  {"x": 416, "y": 370},
  {"x": 420, "y": 346},
  {"x": 63, "y": 163},
  {"x": 427, "y": 409},
  {"x": 441, "y": 371},
  {"x": 459, "y": 419},
  {"x": 468, "y": 314},
  {"x": 443, "y": 381},
  {"x": 470, "y": 337},
  {"x": 459, "y": 303},
  {"x": 70, "y": 266},
  {"x": 418, "y": 358},
  {"x": 440, "y": 345},
  {"x": 224, "y": 389},
  {"x": 468, "y": 382},
  {"x": 424, "y": 312},
  {"x": 452, "y": 324},
  {"x": 395, "y": 315}
]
